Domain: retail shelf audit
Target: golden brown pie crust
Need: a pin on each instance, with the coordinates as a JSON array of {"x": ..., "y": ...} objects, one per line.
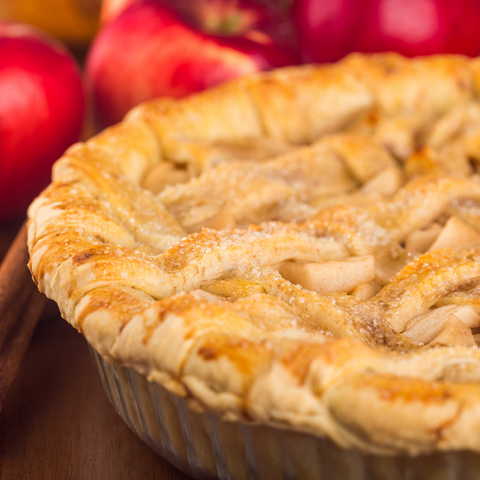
[{"x": 300, "y": 166}]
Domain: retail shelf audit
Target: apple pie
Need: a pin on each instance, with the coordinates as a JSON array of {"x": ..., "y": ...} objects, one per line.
[{"x": 290, "y": 264}]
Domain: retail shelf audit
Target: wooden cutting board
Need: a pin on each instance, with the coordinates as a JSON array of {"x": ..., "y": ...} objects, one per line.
[{"x": 57, "y": 423}]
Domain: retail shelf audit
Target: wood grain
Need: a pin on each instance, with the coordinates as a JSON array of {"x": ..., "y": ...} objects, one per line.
[
  {"x": 57, "y": 423},
  {"x": 20, "y": 308},
  {"x": 15, "y": 284},
  {"x": 8, "y": 231},
  {"x": 12, "y": 352}
]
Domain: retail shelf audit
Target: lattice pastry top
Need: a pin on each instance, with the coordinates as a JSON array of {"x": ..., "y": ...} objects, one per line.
[{"x": 299, "y": 248}]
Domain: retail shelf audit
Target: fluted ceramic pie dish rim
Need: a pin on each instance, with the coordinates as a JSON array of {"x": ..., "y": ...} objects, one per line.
[{"x": 202, "y": 445}]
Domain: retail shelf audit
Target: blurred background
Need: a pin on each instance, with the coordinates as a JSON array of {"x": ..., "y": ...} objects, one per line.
[
  {"x": 68, "y": 69},
  {"x": 74, "y": 22}
]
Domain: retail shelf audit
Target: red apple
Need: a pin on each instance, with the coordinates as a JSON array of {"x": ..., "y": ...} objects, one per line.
[
  {"x": 41, "y": 112},
  {"x": 422, "y": 27},
  {"x": 157, "y": 48},
  {"x": 329, "y": 30}
]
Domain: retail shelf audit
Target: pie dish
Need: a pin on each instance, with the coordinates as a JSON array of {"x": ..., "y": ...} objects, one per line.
[{"x": 294, "y": 255}]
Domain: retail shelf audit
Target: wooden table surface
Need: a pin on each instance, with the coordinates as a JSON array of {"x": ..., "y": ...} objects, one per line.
[{"x": 57, "y": 424}]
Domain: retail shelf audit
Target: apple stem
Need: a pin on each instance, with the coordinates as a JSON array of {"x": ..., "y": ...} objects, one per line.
[{"x": 224, "y": 17}]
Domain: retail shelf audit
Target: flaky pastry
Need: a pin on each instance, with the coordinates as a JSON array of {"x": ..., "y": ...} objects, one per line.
[{"x": 299, "y": 248}]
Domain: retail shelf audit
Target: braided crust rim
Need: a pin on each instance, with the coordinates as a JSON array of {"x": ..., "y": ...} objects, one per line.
[{"x": 125, "y": 272}]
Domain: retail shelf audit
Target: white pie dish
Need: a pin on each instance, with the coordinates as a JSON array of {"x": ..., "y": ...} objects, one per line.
[{"x": 206, "y": 447}]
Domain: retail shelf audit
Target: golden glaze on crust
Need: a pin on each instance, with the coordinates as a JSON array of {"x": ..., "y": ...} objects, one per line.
[{"x": 298, "y": 167}]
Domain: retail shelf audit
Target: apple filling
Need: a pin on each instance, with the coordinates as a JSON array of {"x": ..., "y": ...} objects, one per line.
[
  {"x": 450, "y": 325},
  {"x": 261, "y": 148},
  {"x": 168, "y": 173},
  {"x": 330, "y": 277},
  {"x": 162, "y": 175}
]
